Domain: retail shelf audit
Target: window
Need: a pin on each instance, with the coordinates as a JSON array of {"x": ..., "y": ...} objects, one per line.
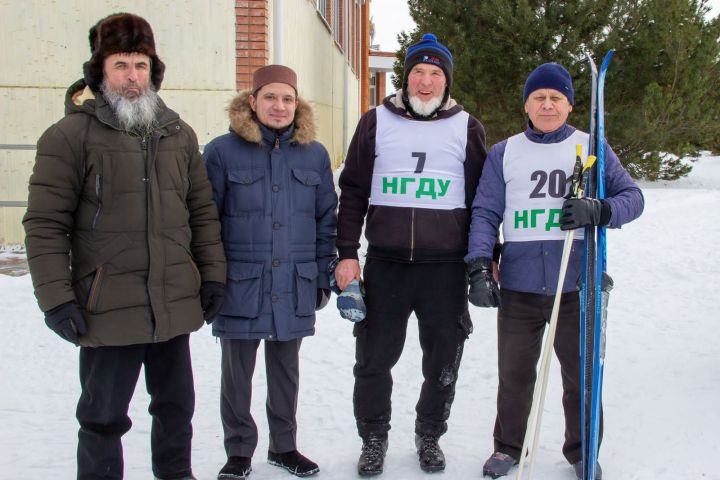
[
  {"x": 337, "y": 21},
  {"x": 321, "y": 6}
]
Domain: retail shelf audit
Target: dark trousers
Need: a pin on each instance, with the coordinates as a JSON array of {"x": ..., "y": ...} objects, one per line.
[
  {"x": 437, "y": 293},
  {"x": 282, "y": 366},
  {"x": 521, "y": 324},
  {"x": 108, "y": 376}
]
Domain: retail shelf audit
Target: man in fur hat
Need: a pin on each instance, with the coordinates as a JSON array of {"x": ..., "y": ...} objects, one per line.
[
  {"x": 124, "y": 248},
  {"x": 412, "y": 167},
  {"x": 273, "y": 186}
]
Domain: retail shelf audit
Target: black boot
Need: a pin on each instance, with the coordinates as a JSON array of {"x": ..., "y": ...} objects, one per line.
[
  {"x": 294, "y": 462},
  {"x": 372, "y": 456},
  {"x": 498, "y": 465},
  {"x": 236, "y": 468},
  {"x": 430, "y": 454}
]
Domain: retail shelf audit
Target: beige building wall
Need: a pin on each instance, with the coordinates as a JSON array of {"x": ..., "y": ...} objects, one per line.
[
  {"x": 45, "y": 43},
  {"x": 310, "y": 50}
]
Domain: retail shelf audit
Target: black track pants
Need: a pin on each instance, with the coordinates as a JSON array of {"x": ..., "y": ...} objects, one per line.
[{"x": 437, "y": 293}]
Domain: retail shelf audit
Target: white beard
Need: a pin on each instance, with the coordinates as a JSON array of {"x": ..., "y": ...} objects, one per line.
[
  {"x": 425, "y": 109},
  {"x": 137, "y": 114}
]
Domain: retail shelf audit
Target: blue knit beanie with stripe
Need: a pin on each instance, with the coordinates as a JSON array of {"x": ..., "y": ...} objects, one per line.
[{"x": 428, "y": 50}]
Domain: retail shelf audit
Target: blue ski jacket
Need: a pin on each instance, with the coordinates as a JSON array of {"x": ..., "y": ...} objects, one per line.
[
  {"x": 277, "y": 205},
  {"x": 533, "y": 266}
]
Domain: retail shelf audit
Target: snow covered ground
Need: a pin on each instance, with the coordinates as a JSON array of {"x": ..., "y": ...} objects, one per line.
[{"x": 662, "y": 375}]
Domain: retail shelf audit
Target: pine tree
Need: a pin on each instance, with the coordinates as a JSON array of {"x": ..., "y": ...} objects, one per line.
[
  {"x": 662, "y": 96},
  {"x": 663, "y": 102}
]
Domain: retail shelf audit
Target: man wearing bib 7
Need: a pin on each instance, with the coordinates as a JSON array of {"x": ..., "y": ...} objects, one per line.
[{"x": 412, "y": 169}]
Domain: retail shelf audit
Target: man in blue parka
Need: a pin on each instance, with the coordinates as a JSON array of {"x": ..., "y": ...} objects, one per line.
[
  {"x": 523, "y": 181},
  {"x": 273, "y": 186}
]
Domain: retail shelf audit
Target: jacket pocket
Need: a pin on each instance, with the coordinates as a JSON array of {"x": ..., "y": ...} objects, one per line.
[
  {"x": 196, "y": 273},
  {"x": 247, "y": 191},
  {"x": 306, "y": 283},
  {"x": 95, "y": 287},
  {"x": 243, "y": 295},
  {"x": 304, "y": 190}
]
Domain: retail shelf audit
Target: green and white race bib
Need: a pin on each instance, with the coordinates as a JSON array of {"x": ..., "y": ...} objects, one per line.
[
  {"x": 536, "y": 183},
  {"x": 419, "y": 163}
]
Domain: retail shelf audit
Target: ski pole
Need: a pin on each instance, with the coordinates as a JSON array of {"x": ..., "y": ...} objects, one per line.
[{"x": 535, "y": 418}]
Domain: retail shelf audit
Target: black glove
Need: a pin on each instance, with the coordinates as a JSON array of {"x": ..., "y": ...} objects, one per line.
[
  {"x": 484, "y": 290},
  {"x": 323, "y": 297},
  {"x": 67, "y": 321},
  {"x": 581, "y": 212},
  {"x": 212, "y": 295}
]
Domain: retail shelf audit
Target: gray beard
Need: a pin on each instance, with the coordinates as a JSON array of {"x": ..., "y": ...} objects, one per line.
[
  {"x": 136, "y": 115},
  {"x": 425, "y": 109}
]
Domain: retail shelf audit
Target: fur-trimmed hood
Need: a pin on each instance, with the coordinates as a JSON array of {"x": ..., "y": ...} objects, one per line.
[{"x": 244, "y": 124}]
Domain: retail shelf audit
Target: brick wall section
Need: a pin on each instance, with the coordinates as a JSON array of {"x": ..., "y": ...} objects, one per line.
[{"x": 251, "y": 40}]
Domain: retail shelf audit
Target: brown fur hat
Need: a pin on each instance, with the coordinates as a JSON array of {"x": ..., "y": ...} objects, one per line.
[{"x": 121, "y": 33}]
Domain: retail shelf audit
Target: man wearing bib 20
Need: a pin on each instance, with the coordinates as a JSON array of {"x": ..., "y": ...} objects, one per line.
[
  {"x": 523, "y": 186},
  {"x": 412, "y": 167}
]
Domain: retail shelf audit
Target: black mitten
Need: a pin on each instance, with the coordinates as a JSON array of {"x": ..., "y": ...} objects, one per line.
[
  {"x": 212, "y": 295},
  {"x": 484, "y": 291},
  {"x": 67, "y": 321}
]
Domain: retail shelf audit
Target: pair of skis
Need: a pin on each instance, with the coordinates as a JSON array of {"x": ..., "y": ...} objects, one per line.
[
  {"x": 588, "y": 180},
  {"x": 596, "y": 287}
]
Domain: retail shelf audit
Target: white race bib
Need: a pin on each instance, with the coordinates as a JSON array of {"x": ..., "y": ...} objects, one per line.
[
  {"x": 419, "y": 163},
  {"x": 536, "y": 183}
]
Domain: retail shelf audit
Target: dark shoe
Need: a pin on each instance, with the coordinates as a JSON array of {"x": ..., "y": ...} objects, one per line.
[
  {"x": 236, "y": 468},
  {"x": 294, "y": 462},
  {"x": 577, "y": 466},
  {"x": 372, "y": 456},
  {"x": 498, "y": 465},
  {"x": 183, "y": 478},
  {"x": 431, "y": 455}
]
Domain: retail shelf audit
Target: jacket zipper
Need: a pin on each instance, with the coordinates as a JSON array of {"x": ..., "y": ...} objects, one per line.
[
  {"x": 277, "y": 142},
  {"x": 412, "y": 235},
  {"x": 98, "y": 194},
  {"x": 144, "y": 146}
]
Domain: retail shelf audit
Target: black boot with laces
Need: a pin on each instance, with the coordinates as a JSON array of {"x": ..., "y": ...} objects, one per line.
[
  {"x": 430, "y": 454},
  {"x": 372, "y": 456}
]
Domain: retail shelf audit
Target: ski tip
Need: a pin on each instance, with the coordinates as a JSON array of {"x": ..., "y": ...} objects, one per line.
[{"x": 608, "y": 57}]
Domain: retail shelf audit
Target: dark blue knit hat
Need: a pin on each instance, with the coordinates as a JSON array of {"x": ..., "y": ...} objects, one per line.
[
  {"x": 428, "y": 50},
  {"x": 550, "y": 75}
]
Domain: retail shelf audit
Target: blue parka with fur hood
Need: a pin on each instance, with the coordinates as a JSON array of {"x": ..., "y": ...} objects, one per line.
[{"x": 277, "y": 205}]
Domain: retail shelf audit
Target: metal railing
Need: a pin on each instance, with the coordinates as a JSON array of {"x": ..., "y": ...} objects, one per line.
[
  {"x": 15, "y": 146},
  {"x": 20, "y": 146}
]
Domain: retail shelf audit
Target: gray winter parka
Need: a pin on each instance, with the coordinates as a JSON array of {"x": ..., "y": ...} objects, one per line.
[
  {"x": 123, "y": 225},
  {"x": 277, "y": 205}
]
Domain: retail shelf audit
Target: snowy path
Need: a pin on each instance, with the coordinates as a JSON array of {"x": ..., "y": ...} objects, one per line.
[{"x": 662, "y": 376}]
